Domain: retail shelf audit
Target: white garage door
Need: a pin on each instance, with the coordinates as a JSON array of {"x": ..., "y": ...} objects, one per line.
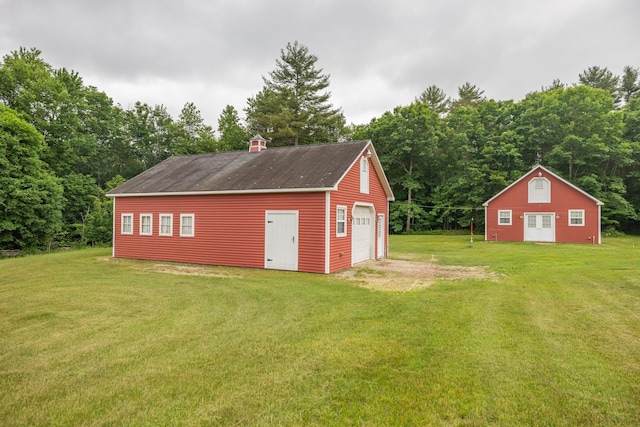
[{"x": 363, "y": 226}]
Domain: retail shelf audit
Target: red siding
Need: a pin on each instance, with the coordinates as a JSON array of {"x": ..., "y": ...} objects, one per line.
[
  {"x": 349, "y": 195},
  {"x": 229, "y": 229},
  {"x": 563, "y": 198}
]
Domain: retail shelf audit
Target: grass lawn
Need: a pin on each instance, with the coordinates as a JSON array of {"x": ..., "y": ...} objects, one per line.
[{"x": 88, "y": 340}]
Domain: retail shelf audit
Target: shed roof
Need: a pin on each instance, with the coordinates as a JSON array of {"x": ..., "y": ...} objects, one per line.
[{"x": 297, "y": 168}]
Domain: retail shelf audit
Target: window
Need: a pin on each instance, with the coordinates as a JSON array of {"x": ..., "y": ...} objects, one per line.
[
  {"x": 341, "y": 221},
  {"x": 576, "y": 218},
  {"x": 166, "y": 225},
  {"x": 364, "y": 175},
  {"x": 146, "y": 224},
  {"x": 187, "y": 225},
  {"x": 504, "y": 217},
  {"x": 127, "y": 224},
  {"x": 539, "y": 190}
]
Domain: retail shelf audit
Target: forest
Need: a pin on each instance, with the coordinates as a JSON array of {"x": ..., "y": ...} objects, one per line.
[{"x": 64, "y": 144}]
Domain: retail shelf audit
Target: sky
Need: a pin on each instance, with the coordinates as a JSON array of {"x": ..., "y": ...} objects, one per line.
[{"x": 378, "y": 54}]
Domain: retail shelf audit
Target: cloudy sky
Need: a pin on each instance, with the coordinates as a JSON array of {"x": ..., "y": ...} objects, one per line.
[{"x": 379, "y": 54}]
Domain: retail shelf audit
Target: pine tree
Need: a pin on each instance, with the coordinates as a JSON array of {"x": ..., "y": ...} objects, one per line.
[{"x": 293, "y": 107}]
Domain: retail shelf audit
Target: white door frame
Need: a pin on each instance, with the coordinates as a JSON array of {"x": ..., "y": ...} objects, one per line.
[{"x": 540, "y": 214}]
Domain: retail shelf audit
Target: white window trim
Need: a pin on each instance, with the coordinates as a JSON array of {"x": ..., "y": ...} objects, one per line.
[
  {"x": 193, "y": 225},
  {"x": 344, "y": 220},
  {"x": 150, "y": 233},
  {"x": 122, "y": 216},
  {"x": 581, "y": 217},
  {"x": 364, "y": 175},
  {"x": 499, "y": 217},
  {"x": 170, "y": 232},
  {"x": 531, "y": 192}
]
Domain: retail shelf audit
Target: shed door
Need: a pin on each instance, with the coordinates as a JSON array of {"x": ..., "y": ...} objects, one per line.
[
  {"x": 281, "y": 240},
  {"x": 363, "y": 226},
  {"x": 381, "y": 234},
  {"x": 539, "y": 227}
]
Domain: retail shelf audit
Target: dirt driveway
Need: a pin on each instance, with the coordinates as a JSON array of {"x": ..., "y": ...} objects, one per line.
[{"x": 403, "y": 275}]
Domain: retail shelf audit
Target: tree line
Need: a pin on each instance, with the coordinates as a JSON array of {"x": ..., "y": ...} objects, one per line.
[{"x": 63, "y": 144}]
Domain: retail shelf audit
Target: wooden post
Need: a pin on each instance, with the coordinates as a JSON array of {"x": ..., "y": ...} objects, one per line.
[{"x": 471, "y": 229}]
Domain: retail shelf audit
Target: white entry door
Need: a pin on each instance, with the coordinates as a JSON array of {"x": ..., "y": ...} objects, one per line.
[
  {"x": 281, "y": 240},
  {"x": 539, "y": 227},
  {"x": 362, "y": 234}
]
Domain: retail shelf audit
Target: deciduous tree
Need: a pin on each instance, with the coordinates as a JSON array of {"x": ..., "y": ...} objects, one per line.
[
  {"x": 232, "y": 135},
  {"x": 30, "y": 195}
]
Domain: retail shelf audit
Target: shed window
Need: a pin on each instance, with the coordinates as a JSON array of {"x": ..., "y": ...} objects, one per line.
[
  {"x": 146, "y": 224},
  {"x": 364, "y": 175},
  {"x": 166, "y": 224},
  {"x": 187, "y": 226},
  {"x": 504, "y": 217},
  {"x": 539, "y": 190},
  {"x": 341, "y": 221},
  {"x": 576, "y": 218},
  {"x": 127, "y": 224}
]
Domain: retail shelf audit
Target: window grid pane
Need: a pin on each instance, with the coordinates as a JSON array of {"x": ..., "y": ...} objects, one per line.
[
  {"x": 186, "y": 225},
  {"x": 576, "y": 217},
  {"x": 145, "y": 224},
  {"x": 165, "y": 225},
  {"x": 504, "y": 217},
  {"x": 341, "y": 221},
  {"x": 127, "y": 224}
]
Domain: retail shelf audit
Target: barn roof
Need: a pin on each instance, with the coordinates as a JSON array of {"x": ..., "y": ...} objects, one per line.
[
  {"x": 540, "y": 167},
  {"x": 297, "y": 168}
]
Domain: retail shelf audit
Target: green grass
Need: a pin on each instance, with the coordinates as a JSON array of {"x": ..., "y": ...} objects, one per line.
[{"x": 86, "y": 340}]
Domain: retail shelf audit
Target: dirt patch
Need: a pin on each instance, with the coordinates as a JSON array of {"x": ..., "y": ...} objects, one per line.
[
  {"x": 194, "y": 270},
  {"x": 179, "y": 269},
  {"x": 404, "y": 275}
]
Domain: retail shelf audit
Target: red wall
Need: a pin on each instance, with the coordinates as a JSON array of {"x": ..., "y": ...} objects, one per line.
[
  {"x": 563, "y": 198},
  {"x": 348, "y": 195},
  {"x": 229, "y": 229}
]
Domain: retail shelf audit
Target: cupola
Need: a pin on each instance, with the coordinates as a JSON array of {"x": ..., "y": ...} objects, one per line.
[{"x": 257, "y": 143}]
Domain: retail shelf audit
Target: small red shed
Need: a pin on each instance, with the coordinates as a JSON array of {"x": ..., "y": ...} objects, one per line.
[
  {"x": 542, "y": 207},
  {"x": 312, "y": 208}
]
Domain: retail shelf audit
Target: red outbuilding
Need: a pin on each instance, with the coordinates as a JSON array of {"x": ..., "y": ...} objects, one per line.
[
  {"x": 542, "y": 207},
  {"x": 312, "y": 208}
]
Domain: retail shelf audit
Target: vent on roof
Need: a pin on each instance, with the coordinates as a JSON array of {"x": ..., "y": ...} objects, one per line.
[{"x": 257, "y": 143}]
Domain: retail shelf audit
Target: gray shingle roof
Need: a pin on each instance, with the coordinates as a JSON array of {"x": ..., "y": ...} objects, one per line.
[{"x": 287, "y": 168}]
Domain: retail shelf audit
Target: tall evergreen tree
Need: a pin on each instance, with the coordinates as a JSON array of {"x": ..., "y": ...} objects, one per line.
[
  {"x": 435, "y": 98},
  {"x": 469, "y": 96},
  {"x": 601, "y": 78},
  {"x": 293, "y": 107},
  {"x": 630, "y": 84}
]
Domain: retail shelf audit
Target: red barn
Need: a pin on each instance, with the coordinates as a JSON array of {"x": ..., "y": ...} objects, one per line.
[
  {"x": 542, "y": 207},
  {"x": 312, "y": 208}
]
